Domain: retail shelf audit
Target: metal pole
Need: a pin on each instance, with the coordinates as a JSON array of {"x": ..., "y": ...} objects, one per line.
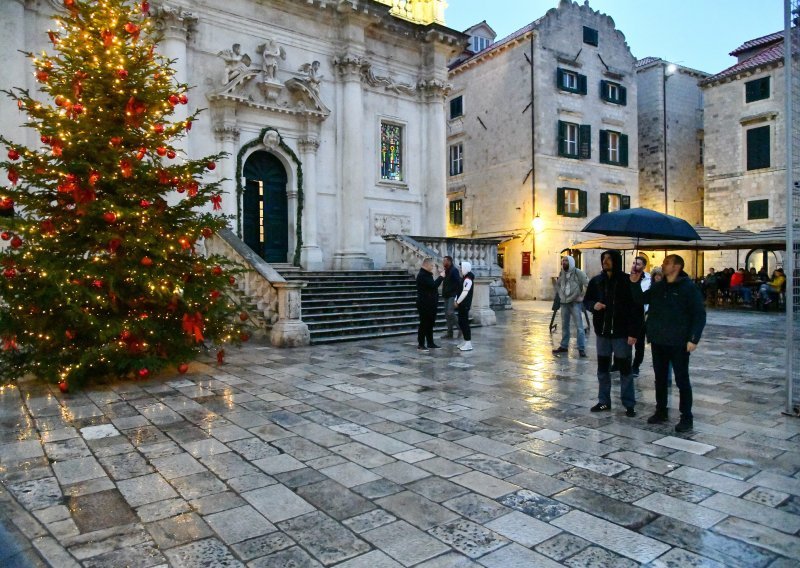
[
  {"x": 664, "y": 122},
  {"x": 789, "y": 261}
]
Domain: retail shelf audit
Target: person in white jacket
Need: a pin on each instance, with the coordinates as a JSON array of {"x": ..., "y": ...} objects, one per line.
[
  {"x": 638, "y": 267},
  {"x": 463, "y": 303},
  {"x": 571, "y": 287}
]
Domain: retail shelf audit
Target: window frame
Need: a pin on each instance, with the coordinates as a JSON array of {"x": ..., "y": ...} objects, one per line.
[
  {"x": 619, "y": 98},
  {"x": 580, "y": 87},
  {"x": 750, "y": 161},
  {"x": 562, "y": 202},
  {"x": 759, "y": 202},
  {"x": 592, "y": 37},
  {"x": 621, "y": 149},
  {"x": 456, "y": 162},
  {"x": 461, "y": 110},
  {"x": 403, "y": 181},
  {"x": 752, "y": 93},
  {"x": 605, "y": 202},
  {"x": 456, "y": 212}
]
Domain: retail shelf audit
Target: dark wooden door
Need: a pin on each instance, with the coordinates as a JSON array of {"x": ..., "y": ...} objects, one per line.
[{"x": 265, "y": 210}]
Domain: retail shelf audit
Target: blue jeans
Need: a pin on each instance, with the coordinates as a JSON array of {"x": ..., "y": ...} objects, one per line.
[
  {"x": 568, "y": 312},
  {"x": 607, "y": 346},
  {"x": 745, "y": 291}
]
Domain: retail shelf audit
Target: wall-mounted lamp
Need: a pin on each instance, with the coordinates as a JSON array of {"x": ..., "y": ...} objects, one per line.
[{"x": 537, "y": 224}]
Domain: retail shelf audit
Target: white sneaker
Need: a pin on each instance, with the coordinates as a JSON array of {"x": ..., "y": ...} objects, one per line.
[{"x": 467, "y": 346}]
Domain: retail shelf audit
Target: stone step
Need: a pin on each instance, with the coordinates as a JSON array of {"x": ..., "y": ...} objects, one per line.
[{"x": 353, "y": 333}]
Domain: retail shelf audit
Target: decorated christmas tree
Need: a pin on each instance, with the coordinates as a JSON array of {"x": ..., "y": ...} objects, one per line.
[{"x": 103, "y": 275}]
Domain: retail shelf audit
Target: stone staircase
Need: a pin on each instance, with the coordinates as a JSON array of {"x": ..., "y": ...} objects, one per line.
[{"x": 358, "y": 304}]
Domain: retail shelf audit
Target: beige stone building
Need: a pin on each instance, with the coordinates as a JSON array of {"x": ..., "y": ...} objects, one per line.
[
  {"x": 670, "y": 103},
  {"x": 744, "y": 150},
  {"x": 542, "y": 126}
]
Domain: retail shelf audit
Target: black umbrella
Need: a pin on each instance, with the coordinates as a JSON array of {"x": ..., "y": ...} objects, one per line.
[{"x": 642, "y": 224}]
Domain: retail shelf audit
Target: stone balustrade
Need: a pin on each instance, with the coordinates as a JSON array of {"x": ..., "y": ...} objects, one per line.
[{"x": 277, "y": 300}]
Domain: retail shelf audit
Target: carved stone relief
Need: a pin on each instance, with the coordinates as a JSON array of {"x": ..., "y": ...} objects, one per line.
[{"x": 389, "y": 224}]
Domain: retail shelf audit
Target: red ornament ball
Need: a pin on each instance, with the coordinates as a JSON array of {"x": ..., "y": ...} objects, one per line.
[
  {"x": 171, "y": 154},
  {"x": 174, "y": 100},
  {"x": 144, "y": 373},
  {"x": 77, "y": 108},
  {"x": 211, "y": 166},
  {"x": 10, "y": 272},
  {"x": 59, "y": 100},
  {"x": 180, "y": 189},
  {"x": 13, "y": 154},
  {"x": 244, "y": 336},
  {"x": 70, "y": 334},
  {"x": 147, "y": 261},
  {"x": 159, "y": 128},
  {"x": 125, "y": 335},
  {"x": 5, "y": 235},
  {"x": 182, "y": 368},
  {"x": 216, "y": 271},
  {"x": 122, "y": 73},
  {"x": 110, "y": 217},
  {"x": 97, "y": 283},
  {"x": 183, "y": 99},
  {"x": 232, "y": 280},
  {"x": 144, "y": 204},
  {"x": 16, "y": 242},
  {"x": 244, "y": 316},
  {"x": 214, "y": 294},
  {"x": 161, "y": 151},
  {"x": 115, "y": 140},
  {"x": 63, "y": 386},
  {"x": 206, "y": 232}
]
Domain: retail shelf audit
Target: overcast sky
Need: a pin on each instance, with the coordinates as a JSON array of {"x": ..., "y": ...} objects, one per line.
[{"x": 694, "y": 33}]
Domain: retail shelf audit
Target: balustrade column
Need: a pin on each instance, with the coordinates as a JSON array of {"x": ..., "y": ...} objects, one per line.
[{"x": 310, "y": 253}]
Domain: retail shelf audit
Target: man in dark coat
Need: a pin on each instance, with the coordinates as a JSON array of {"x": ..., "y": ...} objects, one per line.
[
  {"x": 450, "y": 289},
  {"x": 617, "y": 322},
  {"x": 675, "y": 321},
  {"x": 427, "y": 304}
]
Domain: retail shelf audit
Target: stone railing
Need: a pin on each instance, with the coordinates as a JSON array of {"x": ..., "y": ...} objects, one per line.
[
  {"x": 407, "y": 253},
  {"x": 278, "y": 301},
  {"x": 480, "y": 253}
]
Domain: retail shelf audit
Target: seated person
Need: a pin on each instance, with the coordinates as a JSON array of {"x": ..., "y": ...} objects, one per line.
[
  {"x": 737, "y": 286},
  {"x": 770, "y": 290},
  {"x": 763, "y": 275},
  {"x": 710, "y": 285}
]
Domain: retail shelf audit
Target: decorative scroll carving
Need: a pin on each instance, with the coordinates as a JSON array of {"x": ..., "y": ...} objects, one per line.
[
  {"x": 434, "y": 88},
  {"x": 386, "y": 82},
  {"x": 349, "y": 65},
  {"x": 175, "y": 22}
]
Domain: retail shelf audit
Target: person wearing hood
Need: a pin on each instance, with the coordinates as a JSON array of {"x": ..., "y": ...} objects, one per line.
[
  {"x": 571, "y": 287},
  {"x": 675, "y": 321},
  {"x": 427, "y": 304},
  {"x": 463, "y": 303},
  {"x": 617, "y": 322}
]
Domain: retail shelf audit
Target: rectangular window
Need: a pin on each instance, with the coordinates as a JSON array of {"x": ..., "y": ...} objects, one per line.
[
  {"x": 590, "y": 36},
  {"x": 758, "y": 209},
  {"x": 613, "y": 93},
  {"x": 391, "y": 152},
  {"x": 479, "y": 43},
  {"x": 570, "y": 81},
  {"x": 455, "y": 212},
  {"x": 456, "y": 107},
  {"x": 614, "y": 202},
  {"x": 758, "y": 148},
  {"x": 574, "y": 140},
  {"x": 456, "y": 159},
  {"x": 570, "y": 202},
  {"x": 613, "y": 148},
  {"x": 756, "y": 90}
]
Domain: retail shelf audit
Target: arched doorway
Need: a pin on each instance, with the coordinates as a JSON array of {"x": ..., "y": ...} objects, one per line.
[{"x": 265, "y": 211}]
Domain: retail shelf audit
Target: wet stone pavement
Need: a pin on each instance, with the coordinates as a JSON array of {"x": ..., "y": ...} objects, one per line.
[{"x": 373, "y": 455}]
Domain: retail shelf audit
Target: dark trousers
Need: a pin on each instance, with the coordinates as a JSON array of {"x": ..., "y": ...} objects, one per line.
[
  {"x": 638, "y": 351},
  {"x": 427, "y": 317},
  {"x": 678, "y": 357},
  {"x": 463, "y": 323}
]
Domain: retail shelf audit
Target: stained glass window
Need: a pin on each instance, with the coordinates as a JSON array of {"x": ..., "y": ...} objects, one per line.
[{"x": 391, "y": 152}]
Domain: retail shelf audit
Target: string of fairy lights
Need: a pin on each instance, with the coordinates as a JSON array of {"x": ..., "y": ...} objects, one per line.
[{"x": 102, "y": 274}]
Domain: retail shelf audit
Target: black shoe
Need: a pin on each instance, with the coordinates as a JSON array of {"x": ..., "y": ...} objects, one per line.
[
  {"x": 560, "y": 350},
  {"x": 684, "y": 425},
  {"x": 630, "y": 412},
  {"x": 582, "y": 354},
  {"x": 421, "y": 348},
  {"x": 434, "y": 346},
  {"x": 600, "y": 407},
  {"x": 658, "y": 418}
]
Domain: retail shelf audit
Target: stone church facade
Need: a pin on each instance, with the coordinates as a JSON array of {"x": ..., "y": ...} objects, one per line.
[
  {"x": 542, "y": 137},
  {"x": 332, "y": 114}
]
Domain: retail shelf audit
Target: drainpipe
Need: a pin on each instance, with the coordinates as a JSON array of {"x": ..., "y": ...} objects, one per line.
[{"x": 533, "y": 154}]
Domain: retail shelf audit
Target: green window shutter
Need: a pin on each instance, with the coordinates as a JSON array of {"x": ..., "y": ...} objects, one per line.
[
  {"x": 581, "y": 204},
  {"x": 603, "y": 203},
  {"x": 582, "y": 84},
  {"x": 603, "y": 153},
  {"x": 560, "y": 78},
  {"x": 585, "y": 141},
  {"x": 604, "y": 90},
  {"x": 623, "y": 150},
  {"x": 562, "y": 138},
  {"x": 560, "y": 201},
  {"x": 758, "y": 209},
  {"x": 764, "y": 91},
  {"x": 623, "y": 96},
  {"x": 758, "y": 148},
  {"x": 625, "y": 202},
  {"x": 756, "y": 90}
]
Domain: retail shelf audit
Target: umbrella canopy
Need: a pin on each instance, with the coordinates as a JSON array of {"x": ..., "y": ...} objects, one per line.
[
  {"x": 642, "y": 223},
  {"x": 711, "y": 239}
]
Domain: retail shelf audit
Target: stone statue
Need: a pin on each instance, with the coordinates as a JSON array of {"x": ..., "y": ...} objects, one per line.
[
  {"x": 313, "y": 77},
  {"x": 270, "y": 51},
  {"x": 236, "y": 64}
]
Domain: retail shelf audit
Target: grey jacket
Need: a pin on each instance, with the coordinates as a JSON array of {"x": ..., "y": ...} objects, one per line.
[{"x": 572, "y": 283}]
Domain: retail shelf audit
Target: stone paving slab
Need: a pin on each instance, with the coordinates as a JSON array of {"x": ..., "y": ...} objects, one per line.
[{"x": 371, "y": 455}]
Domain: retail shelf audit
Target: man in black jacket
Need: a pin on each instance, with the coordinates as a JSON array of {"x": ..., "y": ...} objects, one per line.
[
  {"x": 427, "y": 304},
  {"x": 675, "y": 321},
  {"x": 450, "y": 289},
  {"x": 617, "y": 321}
]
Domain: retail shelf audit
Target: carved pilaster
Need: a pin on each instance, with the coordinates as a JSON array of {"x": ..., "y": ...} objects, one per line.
[
  {"x": 349, "y": 66},
  {"x": 175, "y": 22},
  {"x": 308, "y": 145},
  {"x": 434, "y": 89},
  {"x": 227, "y": 133}
]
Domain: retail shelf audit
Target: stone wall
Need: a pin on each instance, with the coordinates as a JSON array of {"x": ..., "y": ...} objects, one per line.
[{"x": 496, "y": 186}]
